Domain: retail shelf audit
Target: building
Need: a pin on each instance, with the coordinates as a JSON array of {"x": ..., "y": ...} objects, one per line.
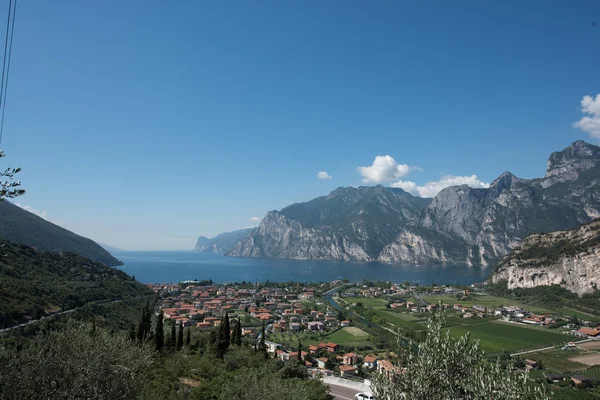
[
  {"x": 332, "y": 347},
  {"x": 581, "y": 380},
  {"x": 350, "y": 359},
  {"x": 370, "y": 362},
  {"x": 590, "y": 332},
  {"x": 322, "y": 362},
  {"x": 347, "y": 370}
]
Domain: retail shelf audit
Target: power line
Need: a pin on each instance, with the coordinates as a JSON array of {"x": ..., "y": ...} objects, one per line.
[
  {"x": 5, "y": 49},
  {"x": 5, "y": 85}
]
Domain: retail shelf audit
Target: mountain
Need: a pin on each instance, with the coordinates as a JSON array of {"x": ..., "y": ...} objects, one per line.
[
  {"x": 460, "y": 225},
  {"x": 570, "y": 259},
  {"x": 20, "y": 226},
  {"x": 36, "y": 283},
  {"x": 222, "y": 243},
  {"x": 348, "y": 224}
]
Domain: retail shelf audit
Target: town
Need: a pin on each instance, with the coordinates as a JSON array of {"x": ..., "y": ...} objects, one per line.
[{"x": 349, "y": 331}]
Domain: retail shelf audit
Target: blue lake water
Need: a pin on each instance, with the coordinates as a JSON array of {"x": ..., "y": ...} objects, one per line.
[{"x": 177, "y": 266}]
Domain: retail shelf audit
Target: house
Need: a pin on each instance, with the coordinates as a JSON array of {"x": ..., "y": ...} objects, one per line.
[
  {"x": 272, "y": 346},
  {"x": 350, "y": 359},
  {"x": 347, "y": 370},
  {"x": 276, "y": 328},
  {"x": 590, "y": 332},
  {"x": 386, "y": 367},
  {"x": 581, "y": 380},
  {"x": 322, "y": 362},
  {"x": 554, "y": 378},
  {"x": 531, "y": 364},
  {"x": 345, "y": 323},
  {"x": 332, "y": 347},
  {"x": 313, "y": 349},
  {"x": 203, "y": 325},
  {"x": 370, "y": 362},
  {"x": 295, "y": 327}
]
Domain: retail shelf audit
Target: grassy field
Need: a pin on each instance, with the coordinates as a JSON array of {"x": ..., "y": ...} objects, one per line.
[
  {"x": 344, "y": 336},
  {"x": 401, "y": 320},
  {"x": 484, "y": 300},
  {"x": 367, "y": 302},
  {"x": 557, "y": 360},
  {"x": 496, "y": 337},
  {"x": 573, "y": 394}
]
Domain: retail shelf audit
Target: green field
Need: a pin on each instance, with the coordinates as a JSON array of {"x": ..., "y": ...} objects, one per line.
[
  {"x": 367, "y": 301},
  {"x": 401, "y": 320},
  {"x": 484, "y": 300},
  {"x": 573, "y": 394},
  {"x": 557, "y": 360},
  {"x": 495, "y": 336},
  {"x": 341, "y": 336}
]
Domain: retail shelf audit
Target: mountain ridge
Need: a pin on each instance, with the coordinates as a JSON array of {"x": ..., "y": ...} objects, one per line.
[
  {"x": 476, "y": 226},
  {"x": 20, "y": 226}
]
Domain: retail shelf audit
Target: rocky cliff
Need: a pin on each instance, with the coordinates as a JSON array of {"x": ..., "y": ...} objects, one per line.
[
  {"x": 460, "y": 225},
  {"x": 222, "y": 243},
  {"x": 570, "y": 259}
]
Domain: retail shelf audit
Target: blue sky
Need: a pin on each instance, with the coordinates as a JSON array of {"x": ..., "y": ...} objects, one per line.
[{"x": 146, "y": 124}]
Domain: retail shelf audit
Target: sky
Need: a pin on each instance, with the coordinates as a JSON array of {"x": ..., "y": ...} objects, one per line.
[{"x": 144, "y": 124}]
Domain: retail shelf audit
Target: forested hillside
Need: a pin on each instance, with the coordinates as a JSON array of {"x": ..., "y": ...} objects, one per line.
[{"x": 34, "y": 283}]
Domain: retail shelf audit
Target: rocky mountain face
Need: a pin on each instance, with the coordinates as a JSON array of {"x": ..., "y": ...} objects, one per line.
[
  {"x": 222, "y": 243},
  {"x": 570, "y": 259},
  {"x": 460, "y": 225},
  {"x": 21, "y": 226},
  {"x": 348, "y": 224}
]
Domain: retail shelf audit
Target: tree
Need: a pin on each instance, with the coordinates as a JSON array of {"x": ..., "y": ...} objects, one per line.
[
  {"x": 132, "y": 335},
  {"x": 71, "y": 364},
  {"x": 141, "y": 333},
  {"x": 159, "y": 333},
  {"x": 440, "y": 367},
  {"x": 188, "y": 338},
  {"x": 147, "y": 320},
  {"x": 172, "y": 342},
  {"x": 9, "y": 189},
  {"x": 226, "y": 328},
  {"x": 300, "y": 360},
  {"x": 180, "y": 337}
]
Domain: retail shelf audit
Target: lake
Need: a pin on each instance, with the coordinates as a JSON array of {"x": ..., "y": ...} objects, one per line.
[{"x": 177, "y": 266}]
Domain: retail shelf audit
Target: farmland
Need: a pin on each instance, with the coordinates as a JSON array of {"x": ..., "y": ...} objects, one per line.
[
  {"x": 496, "y": 336},
  {"x": 483, "y": 300}
]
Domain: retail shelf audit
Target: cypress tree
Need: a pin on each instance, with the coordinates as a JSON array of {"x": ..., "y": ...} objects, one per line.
[
  {"x": 262, "y": 336},
  {"x": 239, "y": 333},
  {"x": 173, "y": 336},
  {"x": 159, "y": 333},
  {"x": 147, "y": 320},
  {"x": 211, "y": 342},
  {"x": 141, "y": 335},
  {"x": 132, "y": 332},
  {"x": 188, "y": 338},
  {"x": 300, "y": 360},
  {"x": 180, "y": 337},
  {"x": 226, "y": 327}
]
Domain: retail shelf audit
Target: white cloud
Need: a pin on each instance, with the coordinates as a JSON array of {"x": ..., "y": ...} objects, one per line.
[
  {"x": 323, "y": 175},
  {"x": 255, "y": 219},
  {"x": 32, "y": 210},
  {"x": 590, "y": 124},
  {"x": 431, "y": 189},
  {"x": 384, "y": 169}
]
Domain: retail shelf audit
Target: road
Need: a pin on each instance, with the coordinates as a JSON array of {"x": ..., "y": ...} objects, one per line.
[
  {"x": 344, "y": 393},
  {"x": 546, "y": 348},
  {"x": 34, "y": 321}
]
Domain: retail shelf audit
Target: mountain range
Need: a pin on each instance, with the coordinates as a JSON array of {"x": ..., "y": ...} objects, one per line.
[
  {"x": 20, "y": 226},
  {"x": 460, "y": 225}
]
